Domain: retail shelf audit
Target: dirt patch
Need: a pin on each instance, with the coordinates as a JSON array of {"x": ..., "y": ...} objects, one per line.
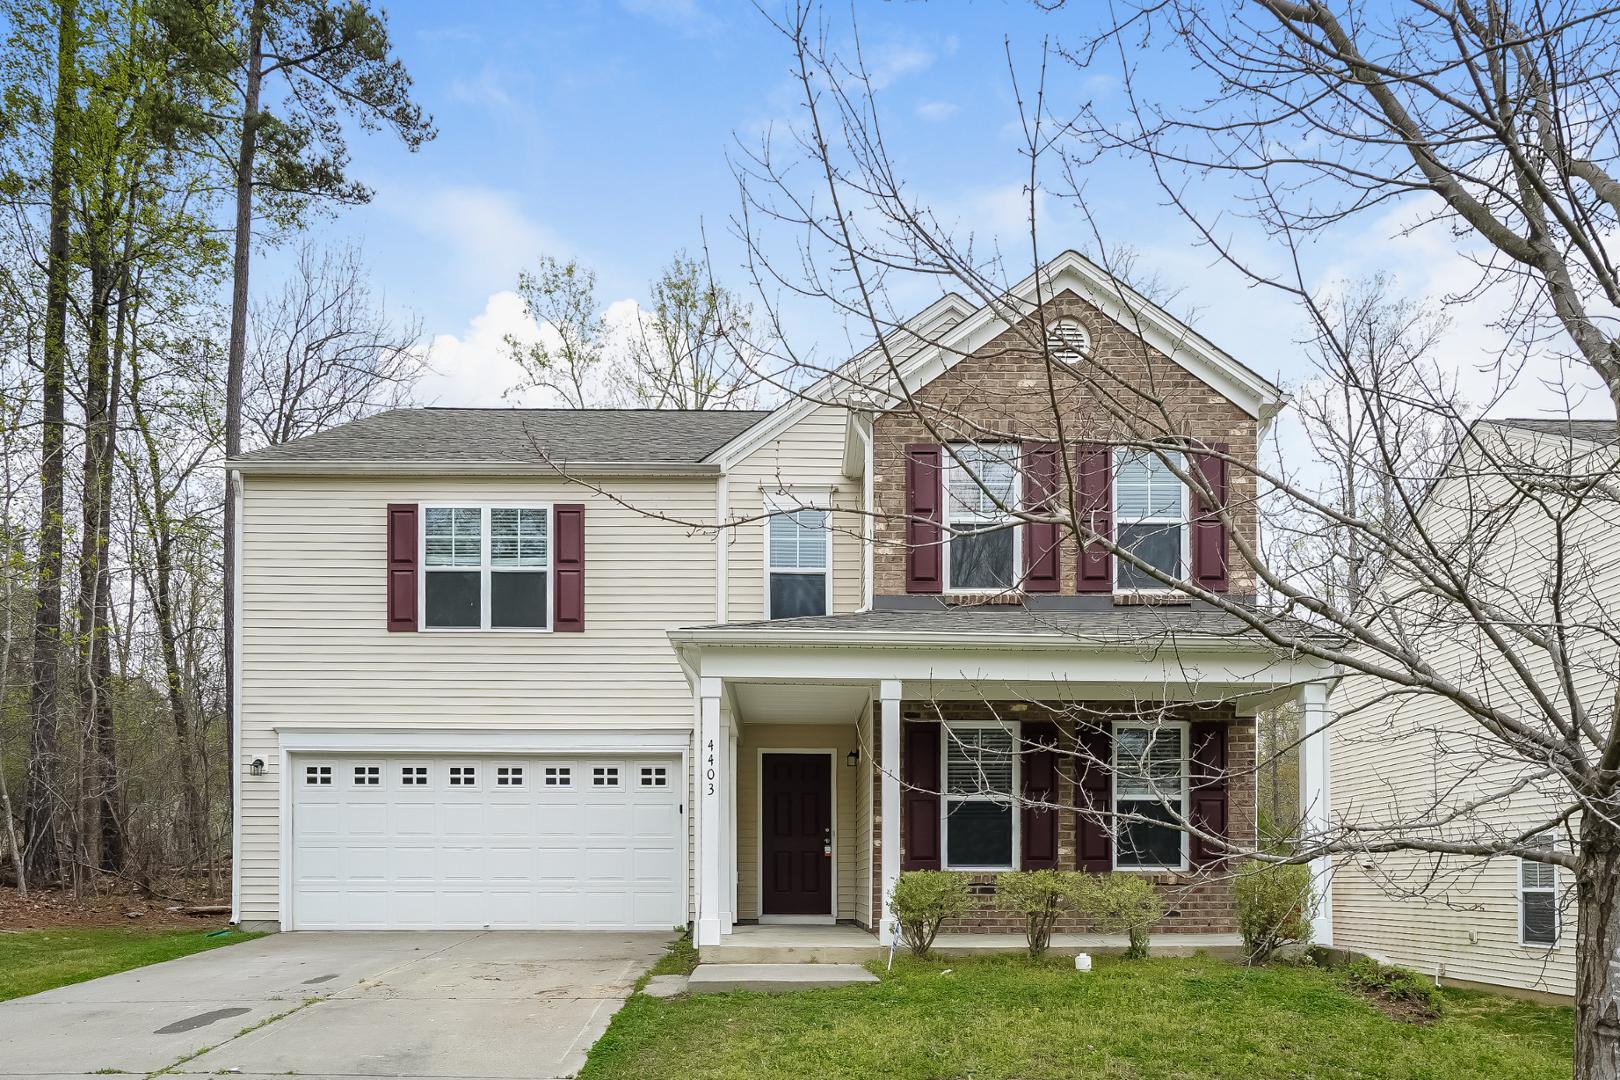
[
  {"x": 1403, "y": 1010},
  {"x": 50, "y": 909}
]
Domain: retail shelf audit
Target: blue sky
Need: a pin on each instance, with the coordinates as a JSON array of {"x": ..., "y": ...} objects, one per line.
[{"x": 600, "y": 130}]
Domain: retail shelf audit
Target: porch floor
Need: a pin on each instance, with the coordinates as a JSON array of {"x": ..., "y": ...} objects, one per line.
[{"x": 845, "y": 943}]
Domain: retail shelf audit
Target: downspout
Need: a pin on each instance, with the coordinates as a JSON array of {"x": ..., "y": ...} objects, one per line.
[
  {"x": 721, "y": 580},
  {"x": 868, "y": 524}
]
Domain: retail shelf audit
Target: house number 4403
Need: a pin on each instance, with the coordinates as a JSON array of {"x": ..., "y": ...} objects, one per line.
[{"x": 709, "y": 772}]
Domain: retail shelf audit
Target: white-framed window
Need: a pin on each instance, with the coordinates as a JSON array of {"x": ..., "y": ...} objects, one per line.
[
  {"x": 1538, "y": 897},
  {"x": 486, "y": 568},
  {"x": 654, "y": 776},
  {"x": 318, "y": 775},
  {"x": 798, "y": 559},
  {"x": 1150, "y": 518},
  {"x": 509, "y": 776},
  {"x": 413, "y": 775},
  {"x": 1150, "y": 782},
  {"x": 605, "y": 776},
  {"x": 981, "y": 500},
  {"x": 1068, "y": 341},
  {"x": 463, "y": 776},
  {"x": 979, "y": 810},
  {"x": 559, "y": 776},
  {"x": 368, "y": 776}
]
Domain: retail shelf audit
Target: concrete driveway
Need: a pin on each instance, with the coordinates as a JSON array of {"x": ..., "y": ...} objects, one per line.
[{"x": 357, "y": 1004}]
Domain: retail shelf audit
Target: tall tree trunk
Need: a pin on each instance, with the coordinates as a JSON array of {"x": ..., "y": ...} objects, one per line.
[
  {"x": 40, "y": 839},
  {"x": 236, "y": 356},
  {"x": 91, "y": 629},
  {"x": 1597, "y": 957}
]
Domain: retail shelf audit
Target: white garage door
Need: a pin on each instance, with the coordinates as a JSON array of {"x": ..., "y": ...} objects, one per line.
[{"x": 450, "y": 843}]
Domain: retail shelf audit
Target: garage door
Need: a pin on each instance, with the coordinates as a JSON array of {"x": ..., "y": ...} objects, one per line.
[{"x": 451, "y": 843}]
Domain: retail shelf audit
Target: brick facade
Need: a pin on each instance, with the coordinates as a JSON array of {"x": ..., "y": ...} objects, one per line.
[
  {"x": 1198, "y": 902},
  {"x": 1125, "y": 389}
]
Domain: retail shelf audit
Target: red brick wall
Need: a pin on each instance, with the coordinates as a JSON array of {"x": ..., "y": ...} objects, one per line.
[
  {"x": 1195, "y": 902},
  {"x": 1002, "y": 389}
]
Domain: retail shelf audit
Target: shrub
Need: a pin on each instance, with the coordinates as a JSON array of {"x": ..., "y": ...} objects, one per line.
[
  {"x": 1040, "y": 896},
  {"x": 922, "y": 899},
  {"x": 1395, "y": 985},
  {"x": 1122, "y": 904},
  {"x": 1274, "y": 907}
]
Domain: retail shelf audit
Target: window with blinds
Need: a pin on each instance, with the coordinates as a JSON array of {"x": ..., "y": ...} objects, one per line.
[
  {"x": 981, "y": 545},
  {"x": 1538, "y": 897},
  {"x": 1150, "y": 784},
  {"x": 797, "y": 556},
  {"x": 1150, "y": 518},
  {"x": 981, "y": 776},
  {"x": 486, "y": 568}
]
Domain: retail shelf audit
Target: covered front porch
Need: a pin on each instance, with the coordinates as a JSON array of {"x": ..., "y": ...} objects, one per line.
[{"x": 798, "y": 778}]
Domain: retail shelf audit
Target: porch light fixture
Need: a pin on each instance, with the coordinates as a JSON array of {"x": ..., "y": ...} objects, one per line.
[
  {"x": 257, "y": 766},
  {"x": 853, "y": 758}
]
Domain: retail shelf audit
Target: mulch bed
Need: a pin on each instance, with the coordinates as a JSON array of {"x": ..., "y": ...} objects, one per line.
[{"x": 51, "y": 909}]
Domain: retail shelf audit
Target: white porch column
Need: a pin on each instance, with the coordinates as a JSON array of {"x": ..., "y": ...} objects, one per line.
[
  {"x": 728, "y": 896},
  {"x": 1315, "y": 775},
  {"x": 889, "y": 701},
  {"x": 712, "y": 781}
]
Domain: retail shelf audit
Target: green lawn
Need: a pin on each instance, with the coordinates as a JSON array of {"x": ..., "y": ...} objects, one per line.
[
  {"x": 41, "y": 959},
  {"x": 1005, "y": 1017}
]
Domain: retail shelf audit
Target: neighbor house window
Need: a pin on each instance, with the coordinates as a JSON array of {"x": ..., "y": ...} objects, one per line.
[
  {"x": 1150, "y": 782},
  {"x": 1538, "y": 898},
  {"x": 486, "y": 568},
  {"x": 981, "y": 545},
  {"x": 981, "y": 766},
  {"x": 1150, "y": 518},
  {"x": 797, "y": 560}
]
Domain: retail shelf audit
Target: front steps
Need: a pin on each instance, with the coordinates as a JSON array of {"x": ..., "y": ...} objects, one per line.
[{"x": 774, "y": 978}]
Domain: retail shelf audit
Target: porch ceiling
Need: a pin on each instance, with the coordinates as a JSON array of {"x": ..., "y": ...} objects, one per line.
[{"x": 800, "y": 703}]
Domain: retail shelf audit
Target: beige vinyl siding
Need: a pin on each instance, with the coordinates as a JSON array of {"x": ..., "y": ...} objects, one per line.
[
  {"x": 789, "y": 737},
  {"x": 315, "y": 651},
  {"x": 1397, "y": 757},
  {"x": 806, "y": 458}
]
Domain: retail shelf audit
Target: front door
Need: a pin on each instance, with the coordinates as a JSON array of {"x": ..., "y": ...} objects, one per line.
[{"x": 796, "y": 834}]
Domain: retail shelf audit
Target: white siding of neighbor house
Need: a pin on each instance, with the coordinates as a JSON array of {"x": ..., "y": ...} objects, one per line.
[
  {"x": 1392, "y": 757},
  {"x": 315, "y": 651},
  {"x": 807, "y": 459}
]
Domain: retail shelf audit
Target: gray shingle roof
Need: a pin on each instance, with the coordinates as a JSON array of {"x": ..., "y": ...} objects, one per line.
[
  {"x": 1109, "y": 625},
  {"x": 1598, "y": 431},
  {"x": 511, "y": 436}
]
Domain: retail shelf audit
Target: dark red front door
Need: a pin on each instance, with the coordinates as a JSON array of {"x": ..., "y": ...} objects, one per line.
[{"x": 796, "y": 798}]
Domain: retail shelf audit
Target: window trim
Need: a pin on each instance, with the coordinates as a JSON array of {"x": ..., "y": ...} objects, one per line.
[
  {"x": 1185, "y": 522},
  {"x": 788, "y": 502},
  {"x": 1185, "y": 727},
  {"x": 485, "y": 570},
  {"x": 1009, "y": 520},
  {"x": 946, "y": 798},
  {"x": 1519, "y": 893}
]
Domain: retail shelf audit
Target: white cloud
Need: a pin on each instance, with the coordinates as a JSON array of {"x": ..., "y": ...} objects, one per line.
[
  {"x": 687, "y": 16},
  {"x": 485, "y": 232},
  {"x": 936, "y": 111}
]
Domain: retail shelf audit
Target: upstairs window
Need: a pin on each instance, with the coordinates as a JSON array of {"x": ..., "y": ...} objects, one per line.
[
  {"x": 797, "y": 558},
  {"x": 981, "y": 540},
  {"x": 486, "y": 568},
  {"x": 1538, "y": 898},
  {"x": 981, "y": 773},
  {"x": 1150, "y": 782},
  {"x": 1150, "y": 518}
]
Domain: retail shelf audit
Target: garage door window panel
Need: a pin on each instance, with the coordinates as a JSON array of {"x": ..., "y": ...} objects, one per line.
[{"x": 486, "y": 567}]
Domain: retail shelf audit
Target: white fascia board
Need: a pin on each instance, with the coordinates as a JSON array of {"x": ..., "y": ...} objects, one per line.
[
  {"x": 296, "y": 739},
  {"x": 560, "y": 470}
]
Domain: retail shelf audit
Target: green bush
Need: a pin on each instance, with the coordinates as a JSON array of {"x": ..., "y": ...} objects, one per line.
[
  {"x": 1274, "y": 907},
  {"x": 1040, "y": 896},
  {"x": 1122, "y": 904},
  {"x": 922, "y": 899},
  {"x": 1394, "y": 984}
]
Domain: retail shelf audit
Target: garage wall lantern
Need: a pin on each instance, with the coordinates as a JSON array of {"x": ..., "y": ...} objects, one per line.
[
  {"x": 257, "y": 766},
  {"x": 853, "y": 758}
]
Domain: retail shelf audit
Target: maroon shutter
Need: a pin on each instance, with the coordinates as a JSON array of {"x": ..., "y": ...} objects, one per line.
[
  {"x": 919, "y": 802},
  {"x": 924, "y": 498},
  {"x": 401, "y": 585},
  {"x": 1041, "y": 572},
  {"x": 1094, "y": 476},
  {"x": 1209, "y": 540},
  {"x": 1208, "y": 787},
  {"x": 568, "y": 567},
  {"x": 1039, "y": 825},
  {"x": 1094, "y": 797}
]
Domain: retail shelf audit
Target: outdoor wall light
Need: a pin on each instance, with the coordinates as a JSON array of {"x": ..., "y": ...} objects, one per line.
[
  {"x": 257, "y": 766},
  {"x": 853, "y": 758}
]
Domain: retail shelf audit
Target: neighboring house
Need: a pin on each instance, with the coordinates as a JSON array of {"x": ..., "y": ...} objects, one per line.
[
  {"x": 500, "y": 668},
  {"x": 1417, "y": 757}
]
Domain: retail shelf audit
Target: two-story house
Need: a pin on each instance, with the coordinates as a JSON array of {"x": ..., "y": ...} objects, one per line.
[{"x": 612, "y": 669}]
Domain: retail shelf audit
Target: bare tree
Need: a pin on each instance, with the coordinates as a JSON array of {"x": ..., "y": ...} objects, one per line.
[{"x": 560, "y": 297}]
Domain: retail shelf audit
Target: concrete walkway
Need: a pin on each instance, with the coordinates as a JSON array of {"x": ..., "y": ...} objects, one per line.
[{"x": 447, "y": 1005}]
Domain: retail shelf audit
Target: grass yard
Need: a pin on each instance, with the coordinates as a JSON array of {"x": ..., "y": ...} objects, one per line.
[
  {"x": 1005, "y": 1017},
  {"x": 36, "y": 960}
]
